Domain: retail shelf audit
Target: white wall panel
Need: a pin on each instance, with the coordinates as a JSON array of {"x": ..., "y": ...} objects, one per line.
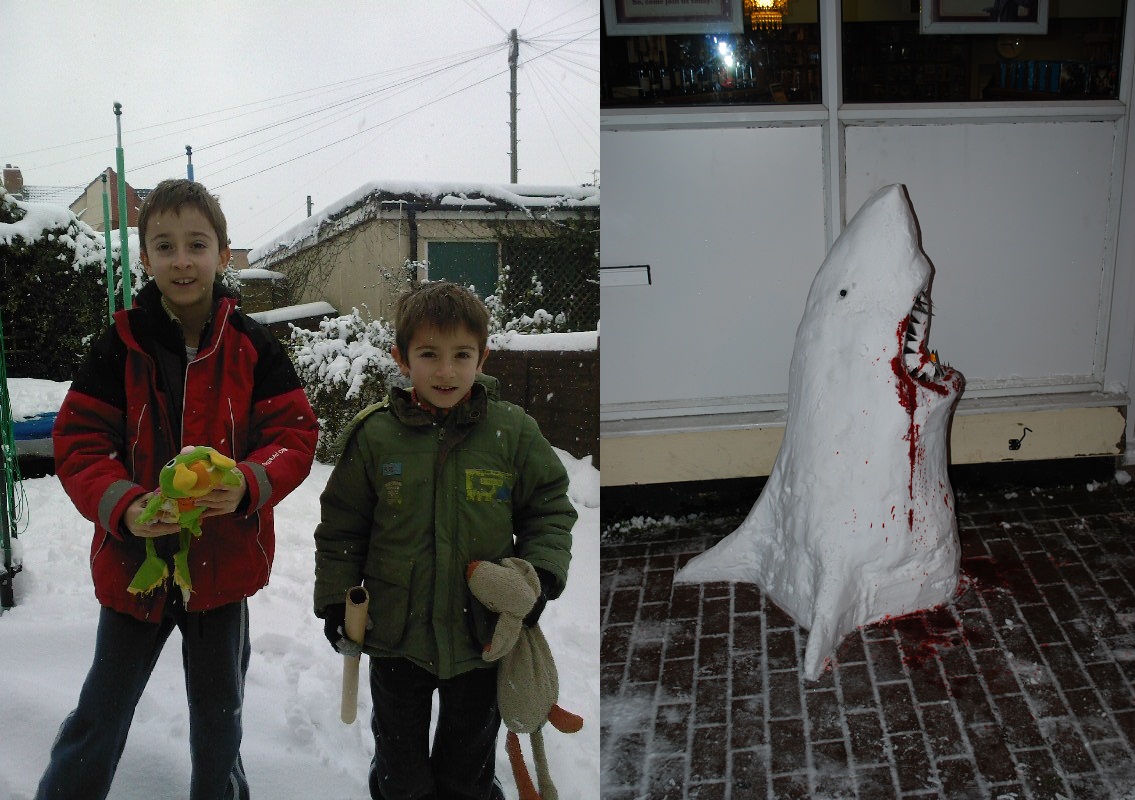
[
  {"x": 731, "y": 223},
  {"x": 1014, "y": 218}
]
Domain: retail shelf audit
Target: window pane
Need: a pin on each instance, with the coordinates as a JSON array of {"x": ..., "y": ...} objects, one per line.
[
  {"x": 775, "y": 60},
  {"x": 886, "y": 57}
]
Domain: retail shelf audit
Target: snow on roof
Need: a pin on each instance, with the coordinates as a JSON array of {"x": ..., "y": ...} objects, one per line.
[
  {"x": 253, "y": 274},
  {"x": 53, "y": 195},
  {"x": 288, "y": 313},
  {"x": 447, "y": 195}
]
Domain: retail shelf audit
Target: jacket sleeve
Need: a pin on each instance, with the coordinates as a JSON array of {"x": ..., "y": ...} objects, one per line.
[
  {"x": 283, "y": 430},
  {"x": 342, "y": 538},
  {"x": 89, "y": 438},
  {"x": 543, "y": 515}
]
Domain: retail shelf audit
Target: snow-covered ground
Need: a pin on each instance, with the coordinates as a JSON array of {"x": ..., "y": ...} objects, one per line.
[{"x": 294, "y": 743}]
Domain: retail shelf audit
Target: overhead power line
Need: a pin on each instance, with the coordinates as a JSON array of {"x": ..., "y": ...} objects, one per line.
[
  {"x": 392, "y": 119},
  {"x": 414, "y": 70},
  {"x": 476, "y": 6},
  {"x": 339, "y": 104},
  {"x": 365, "y": 130}
]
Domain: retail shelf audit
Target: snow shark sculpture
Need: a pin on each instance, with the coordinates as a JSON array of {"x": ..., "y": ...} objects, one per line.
[{"x": 856, "y": 521}]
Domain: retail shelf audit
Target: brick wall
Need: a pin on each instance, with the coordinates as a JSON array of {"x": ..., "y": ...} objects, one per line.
[
  {"x": 560, "y": 389},
  {"x": 263, "y": 295}
]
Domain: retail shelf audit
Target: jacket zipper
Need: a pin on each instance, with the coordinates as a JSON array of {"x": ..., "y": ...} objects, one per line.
[
  {"x": 137, "y": 436},
  {"x": 218, "y": 326}
]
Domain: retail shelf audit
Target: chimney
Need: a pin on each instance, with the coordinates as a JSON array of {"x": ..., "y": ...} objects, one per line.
[{"x": 13, "y": 179}]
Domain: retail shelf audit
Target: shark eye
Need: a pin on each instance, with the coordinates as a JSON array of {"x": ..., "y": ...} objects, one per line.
[{"x": 843, "y": 292}]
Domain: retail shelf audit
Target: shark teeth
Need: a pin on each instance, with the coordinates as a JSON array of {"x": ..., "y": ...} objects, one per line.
[{"x": 918, "y": 362}]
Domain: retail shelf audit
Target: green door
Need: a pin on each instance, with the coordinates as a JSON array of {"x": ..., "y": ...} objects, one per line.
[{"x": 468, "y": 263}]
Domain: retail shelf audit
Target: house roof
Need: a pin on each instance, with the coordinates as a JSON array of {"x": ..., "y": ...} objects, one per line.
[
  {"x": 63, "y": 195},
  {"x": 424, "y": 195},
  {"x": 52, "y": 195}
]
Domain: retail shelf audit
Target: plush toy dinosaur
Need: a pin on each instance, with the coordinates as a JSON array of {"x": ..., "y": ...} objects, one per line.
[
  {"x": 193, "y": 473},
  {"x": 527, "y": 682}
]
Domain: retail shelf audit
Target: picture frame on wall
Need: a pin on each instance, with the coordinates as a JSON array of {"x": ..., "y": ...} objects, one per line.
[
  {"x": 984, "y": 16},
  {"x": 655, "y": 17}
]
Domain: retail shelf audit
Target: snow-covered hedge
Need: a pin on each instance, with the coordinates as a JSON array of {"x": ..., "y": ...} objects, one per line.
[
  {"x": 52, "y": 268},
  {"x": 344, "y": 367}
]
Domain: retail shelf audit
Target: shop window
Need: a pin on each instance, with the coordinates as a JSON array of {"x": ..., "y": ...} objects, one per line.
[
  {"x": 768, "y": 60},
  {"x": 887, "y": 58}
]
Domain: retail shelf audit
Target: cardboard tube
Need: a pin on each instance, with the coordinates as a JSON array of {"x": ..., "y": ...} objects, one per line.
[{"x": 355, "y": 626}]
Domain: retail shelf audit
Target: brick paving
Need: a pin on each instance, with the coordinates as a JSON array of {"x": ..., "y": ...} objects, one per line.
[{"x": 1021, "y": 688}]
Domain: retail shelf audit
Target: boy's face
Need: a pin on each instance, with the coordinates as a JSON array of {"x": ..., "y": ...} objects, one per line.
[
  {"x": 441, "y": 365},
  {"x": 183, "y": 255}
]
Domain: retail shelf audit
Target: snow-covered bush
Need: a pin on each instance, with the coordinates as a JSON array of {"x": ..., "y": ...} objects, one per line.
[
  {"x": 518, "y": 306},
  {"x": 344, "y": 366},
  {"x": 231, "y": 278},
  {"x": 54, "y": 301}
]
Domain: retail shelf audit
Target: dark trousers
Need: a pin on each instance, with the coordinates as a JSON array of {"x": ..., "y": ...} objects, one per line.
[
  {"x": 462, "y": 761},
  {"x": 214, "y": 653}
]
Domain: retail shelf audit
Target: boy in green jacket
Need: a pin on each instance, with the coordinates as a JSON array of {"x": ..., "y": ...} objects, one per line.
[{"x": 429, "y": 481}]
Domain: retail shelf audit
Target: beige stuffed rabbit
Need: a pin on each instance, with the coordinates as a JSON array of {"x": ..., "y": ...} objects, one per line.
[{"x": 527, "y": 682}]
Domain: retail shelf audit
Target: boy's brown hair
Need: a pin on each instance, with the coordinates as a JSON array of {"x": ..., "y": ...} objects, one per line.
[
  {"x": 174, "y": 194},
  {"x": 445, "y": 305}
]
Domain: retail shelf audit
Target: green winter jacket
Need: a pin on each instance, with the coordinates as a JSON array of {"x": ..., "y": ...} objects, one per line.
[{"x": 412, "y": 502}]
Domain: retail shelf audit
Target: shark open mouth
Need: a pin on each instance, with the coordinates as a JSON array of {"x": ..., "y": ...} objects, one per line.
[{"x": 917, "y": 361}]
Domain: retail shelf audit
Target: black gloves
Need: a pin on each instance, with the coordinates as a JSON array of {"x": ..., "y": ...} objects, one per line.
[
  {"x": 547, "y": 581},
  {"x": 334, "y": 616}
]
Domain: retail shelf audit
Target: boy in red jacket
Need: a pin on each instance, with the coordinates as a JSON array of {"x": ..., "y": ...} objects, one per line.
[{"x": 182, "y": 367}]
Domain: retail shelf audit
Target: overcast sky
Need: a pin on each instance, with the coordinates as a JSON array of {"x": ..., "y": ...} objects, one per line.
[{"x": 281, "y": 100}]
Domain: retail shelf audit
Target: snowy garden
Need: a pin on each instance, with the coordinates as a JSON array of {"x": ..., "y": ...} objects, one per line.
[{"x": 294, "y": 743}]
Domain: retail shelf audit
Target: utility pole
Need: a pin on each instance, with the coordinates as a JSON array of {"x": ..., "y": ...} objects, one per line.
[{"x": 513, "y": 55}]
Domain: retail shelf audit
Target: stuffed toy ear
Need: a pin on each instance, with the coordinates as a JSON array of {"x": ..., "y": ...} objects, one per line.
[{"x": 510, "y": 590}]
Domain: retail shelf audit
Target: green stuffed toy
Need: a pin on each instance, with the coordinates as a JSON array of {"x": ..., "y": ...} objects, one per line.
[{"x": 193, "y": 473}]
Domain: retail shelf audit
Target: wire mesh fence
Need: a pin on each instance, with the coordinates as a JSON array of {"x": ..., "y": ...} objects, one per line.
[{"x": 554, "y": 269}]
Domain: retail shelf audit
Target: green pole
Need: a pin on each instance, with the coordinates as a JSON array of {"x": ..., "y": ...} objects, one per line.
[
  {"x": 109, "y": 254},
  {"x": 127, "y": 275}
]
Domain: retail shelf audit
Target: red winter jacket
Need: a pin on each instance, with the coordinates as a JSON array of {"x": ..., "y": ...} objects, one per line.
[{"x": 136, "y": 402}]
